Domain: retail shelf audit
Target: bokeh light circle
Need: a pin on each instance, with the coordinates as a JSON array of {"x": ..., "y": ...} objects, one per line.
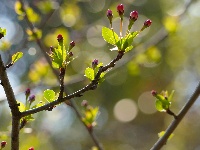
[
  {"x": 125, "y": 110},
  {"x": 146, "y": 103}
]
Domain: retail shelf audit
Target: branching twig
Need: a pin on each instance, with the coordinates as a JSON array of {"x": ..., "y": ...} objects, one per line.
[
  {"x": 162, "y": 141},
  {"x": 13, "y": 107}
]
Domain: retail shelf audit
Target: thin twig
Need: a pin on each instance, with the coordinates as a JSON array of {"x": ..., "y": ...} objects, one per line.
[{"x": 162, "y": 141}]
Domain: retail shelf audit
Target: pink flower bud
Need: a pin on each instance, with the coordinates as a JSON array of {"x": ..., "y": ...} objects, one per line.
[
  {"x": 133, "y": 15},
  {"x": 72, "y": 43},
  {"x": 3, "y": 144},
  {"x": 31, "y": 148},
  {"x": 154, "y": 93},
  {"x": 109, "y": 14},
  {"x": 120, "y": 9},
  {"x": 147, "y": 23}
]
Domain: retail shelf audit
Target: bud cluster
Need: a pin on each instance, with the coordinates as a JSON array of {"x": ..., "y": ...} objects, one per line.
[{"x": 132, "y": 18}]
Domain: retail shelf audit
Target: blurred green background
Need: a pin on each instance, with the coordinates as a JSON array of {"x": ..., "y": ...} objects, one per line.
[{"x": 165, "y": 57}]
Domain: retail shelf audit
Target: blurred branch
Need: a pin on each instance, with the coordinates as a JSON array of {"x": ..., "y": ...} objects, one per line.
[
  {"x": 162, "y": 141},
  {"x": 13, "y": 106}
]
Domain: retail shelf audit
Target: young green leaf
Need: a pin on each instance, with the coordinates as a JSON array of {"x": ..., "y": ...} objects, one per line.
[
  {"x": 162, "y": 133},
  {"x": 2, "y": 32},
  {"x": 21, "y": 106},
  {"x": 16, "y": 57},
  {"x": 49, "y": 95},
  {"x": 110, "y": 36},
  {"x": 89, "y": 73},
  {"x": 129, "y": 48}
]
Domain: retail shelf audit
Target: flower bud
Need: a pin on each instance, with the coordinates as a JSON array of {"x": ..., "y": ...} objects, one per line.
[
  {"x": 133, "y": 16},
  {"x": 120, "y": 9},
  {"x": 110, "y": 15},
  {"x": 94, "y": 63},
  {"x": 27, "y": 92},
  {"x": 71, "y": 45},
  {"x": 84, "y": 103},
  {"x": 154, "y": 93},
  {"x": 60, "y": 38},
  {"x": 70, "y": 54},
  {"x": 3, "y": 144},
  {"x": 31, "y": 148},
  {"x": 31, "y": 99},
  {"x": 147, "y": 23}
]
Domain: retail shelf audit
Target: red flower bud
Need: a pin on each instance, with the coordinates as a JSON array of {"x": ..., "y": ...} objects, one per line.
[
  {"x": 147, "y": 23},
  {"x": 27, "y": 92},
  {"x": 133, "y": 15},
  {"x": 3, "y": 144},
  {"x": 70, "y": 54},
  {"x": 60, "y": 37},
  {"x": 120, "y": 9},
  {"x": 154, "y": 93},
  {"x": 72, "y": 43},
  {"x": 31, "y": 148}
]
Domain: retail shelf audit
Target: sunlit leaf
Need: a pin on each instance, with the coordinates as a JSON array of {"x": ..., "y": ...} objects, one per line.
[
  {"x": 16, "y": 57},
  {"x": 162, "y": 133},
  {"x": 2, "y": 32},
  {"x": 18, "y": 8},
  {"x": 129, "y": 48},
  {"x": 110, "y": 36},
  {"x": 21, "y": 106},
  {"x": 49, "y": 95},
  {"x": 171, "y": 95},
  {"x": 41, "y": 103},
  {"x": 89, "y": 73}
]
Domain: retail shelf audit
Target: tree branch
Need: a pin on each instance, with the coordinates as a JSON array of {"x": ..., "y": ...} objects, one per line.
[
  {"x": 162, "y": 141},
  {"x": 16, "y": 115}
]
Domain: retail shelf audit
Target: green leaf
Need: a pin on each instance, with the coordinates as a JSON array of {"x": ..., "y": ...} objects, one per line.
[
  {"x": 59, "y": 56},
  {"x": 90, "y": 115},
  {"x": 49, "y": 95},
  {"x": 89, "y": 73},
  {"x": 129, "y": 48},
  {"x": 21, "y": 106},
  {"x": 41, "y": 103},
  {"x": 2, "y": 32},
  {"x": 110, "y": 36},
  {"x": 162, "y": 133},
  {"x": 16, "y": 57},
  {"x": 159, "y": 106}
]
